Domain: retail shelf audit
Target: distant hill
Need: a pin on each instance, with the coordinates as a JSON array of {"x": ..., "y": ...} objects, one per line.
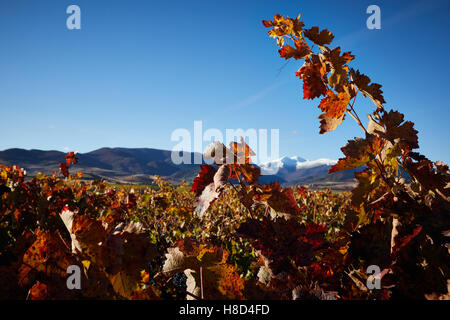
[
  {"x": 121, "y": 165},
  {"x": 141, "y": 165}
]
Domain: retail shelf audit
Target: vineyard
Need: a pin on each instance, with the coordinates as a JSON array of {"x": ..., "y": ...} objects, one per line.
[{"x": 225, "y": 236}]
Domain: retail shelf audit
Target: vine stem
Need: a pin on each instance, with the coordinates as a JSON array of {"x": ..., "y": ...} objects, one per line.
[
  {"x": 355, "y": 116},
  {"x": 201, "y": 282},
  {"x": 193, "y": 295}
]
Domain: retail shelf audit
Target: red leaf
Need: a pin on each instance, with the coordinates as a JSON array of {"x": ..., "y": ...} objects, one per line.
[
  {"x": 64, "y": 169},
  {"x": 210, "y": 192},
  {"x": 313, "y": 84},
  {"x": 283, "y": 240},
  {"x": 38, "y": 291},
  {"x": 71, "y": 158},
  {"x": 203, "y": 179},
  {"x": 301, "y": 51}
]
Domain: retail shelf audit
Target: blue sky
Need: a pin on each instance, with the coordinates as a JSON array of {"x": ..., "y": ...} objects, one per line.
[{"x": 138, "y": 70}]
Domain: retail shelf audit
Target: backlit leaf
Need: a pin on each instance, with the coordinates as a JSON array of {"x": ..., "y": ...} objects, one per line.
[
  {"x": 373, "y": 91},
  {"x": 320, "y": 38}
]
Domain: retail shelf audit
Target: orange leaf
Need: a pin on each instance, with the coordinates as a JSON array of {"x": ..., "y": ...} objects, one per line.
[
  {"x": 335, "y": 105},
  {"x": 242, "y": 151},
  {"x": 250, "y": 172},
  {"x": 301, "y": 51}
]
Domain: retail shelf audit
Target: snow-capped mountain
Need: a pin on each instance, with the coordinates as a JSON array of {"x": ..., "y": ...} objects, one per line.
[
  {"x": 295, "y": 163},
  {"x": 299, "y": 171}
]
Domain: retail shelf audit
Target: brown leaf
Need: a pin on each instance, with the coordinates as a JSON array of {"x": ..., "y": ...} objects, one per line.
[
  {"x": 358, "y": 152},
  {"x": 397, "y": 129},
  {"x": 373, "y": 91},
  {"x": 279, "y": 199},
  {"x": 220, "y": 280},
  {"x": 320, "y": 38},
  {"x": 337, "y": 63},
  {"x": 312, "y": 73},
  {"x": 328, "y": 123}
]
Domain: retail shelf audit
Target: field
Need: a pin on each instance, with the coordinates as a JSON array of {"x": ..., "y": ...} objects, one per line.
[{"x": 168, "y": 219}]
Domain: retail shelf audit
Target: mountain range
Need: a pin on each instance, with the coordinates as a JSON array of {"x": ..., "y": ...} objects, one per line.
[{"x": 141, "y": 165}]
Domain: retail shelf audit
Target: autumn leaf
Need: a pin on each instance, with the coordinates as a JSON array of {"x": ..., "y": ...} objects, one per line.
[
  {"x": 334, "y": 108},
  {"x": 122, "y": 253},
  {"x": 47, "y": 255},
  {"x": 373, "y": 91},
  {"x": 203, "y": 179},
  {"x": 71, "y": 158},
  {"x": 398, "y": 131},
  {"x": 369, "y": 185},
  {"x": 431, "y": 179},
  {"x": 242, "y": 151},
  {"x": 67, "y": 216},
  {"x": 218, "y": 152},
  {"x": 38, "y": 291},
  {"x": 64, "y": 169},
  {"x": 246, "y": 197},
  {"x": 358, "y": 152},
  {"x": 441, "y": 166},
  {"x": 338, "y": 77},
  {"x": 328, "y": 123},
  {"x": 250, "y": 172},
  {"x": 208, "y": 196},
  {"x": 335, "y": 105},
  {"x": 208, "y": 187},
  {"x": 282, "y": 26},
  {"x": 282, "y": 241},
  {"x": 312, "y": 73},
  {"x": 371, "y": 243},
  {"x": 301, "y": 51},
  {"x": 279, "y": 199},
  {"x": 403, "y": 241},
  {"x": 220, "y": 280},
  {"x": 130, "y": 249},
  {"x": 88, "y": 235},
  {"x": 320, "y": 38}
]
